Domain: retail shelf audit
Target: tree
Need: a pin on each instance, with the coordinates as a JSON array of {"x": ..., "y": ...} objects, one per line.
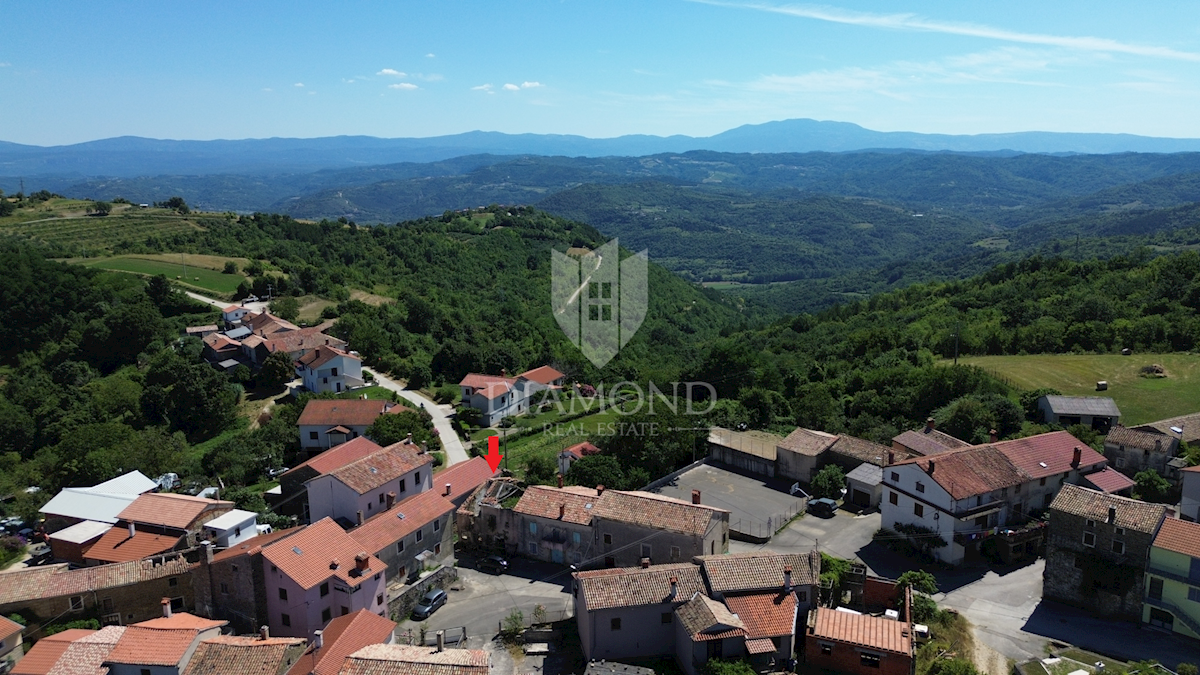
[
  {"x": 230, "y": 267},
  {"x": 726, "y": 667},
  {"x": 286, "y": 308},
  {"x": 160, "y": 291},
  {"x": 829, "y": 482},
  {"x": 277, "y": 369},
  {"x": 1151, "y": 487},
  {"x": 175, "y": 204},
  {"x": 100, "y": 208},
  {"x": 392, "y": 428},
  {"x": 919, "y": 580},
  {"x": 540, "y": 470},
  {"x": 593, "y": 470},
  {"x": 1187, "y": 669}
]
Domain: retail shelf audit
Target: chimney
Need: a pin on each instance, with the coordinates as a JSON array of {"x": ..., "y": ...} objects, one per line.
[
  {"x": 931, "y": 467},
  {"x": 391, "y": 499},
  {"x": 166, "y": 607},
  {"x": 645, "y": 563},
  {"x": 695, "y": 496},
  {"x": 318, "y": 640},
  {"x": 334, "y": 564},
  {"x": 131, "y": 530},
  {"x": 504, "y": 372},
  {"x": 424, "y": 448},
  {"x": 993, "y": 435},
  {"x": 599, "y": 490},
  {"x": 208, "y": 552},
  {"x": 1076, "y": 457},
  {"x": 674, "y": 588},
  {"x": 560, "y": 481},
  {"x": 1112, "y": 515},
  {"x": 362, "y": 562},
  {"x": 562, "y": 511},
  {"x": 447, "y": 493},
  {"x": 409, "y": 439},
  {"x": 891, "y": 458},
  {"x": 441, "y": 640},
  {"x": 930, "y": 424},
  {"x": 360, "y": 518},
  {"x": 787, "y": 579},
  {"x": 264, "y": 633}
]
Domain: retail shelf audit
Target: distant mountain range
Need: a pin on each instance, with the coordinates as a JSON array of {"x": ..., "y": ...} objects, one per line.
[{"x": 130, "y": 156}]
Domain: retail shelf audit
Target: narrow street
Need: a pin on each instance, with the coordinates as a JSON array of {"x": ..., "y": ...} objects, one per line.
[{"x": 455, "y": 451}]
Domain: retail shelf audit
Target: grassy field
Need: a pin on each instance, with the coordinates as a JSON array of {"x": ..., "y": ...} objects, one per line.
[
  {"x": 65, "y": 221},
  {"x": 200, "y": 277},
  {"x": 1140, "y": 399}
]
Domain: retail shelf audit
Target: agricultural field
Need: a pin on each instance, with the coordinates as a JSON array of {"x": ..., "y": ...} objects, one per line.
[
  {"x": 198, "y": 277},
  {"x": 1141, "y": 399},
  {"x": 65, "y": 222}
]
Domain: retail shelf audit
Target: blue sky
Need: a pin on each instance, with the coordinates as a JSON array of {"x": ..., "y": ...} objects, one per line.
[{"x": 75, "y": 71}]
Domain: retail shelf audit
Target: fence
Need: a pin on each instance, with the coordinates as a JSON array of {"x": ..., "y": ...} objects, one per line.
[{"x": 760, "y": 531}]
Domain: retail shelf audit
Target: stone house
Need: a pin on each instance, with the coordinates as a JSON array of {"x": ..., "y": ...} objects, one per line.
[
  {"x": 459, "y": 481},
  {"x": 1131, "y": 451},
  {"x": 358, "y": 490},
  {"x": 247, "y": 655},
  {"x": 409, "y": 535},
  {"x": 394, "y": 659},
  {"x": 230, "y": 585},
  {"x": 12, "y": 647},
  {"x": 1097, "y": 547},
  {"x": 858, "y": 644},
  {"x": 118, "y": 594},
  {"x": 1172, "y": 599},
  {"x": 75, "y": 650},
  {"x": 1098, "y": 413},
  {"x": 804, "y": 452},
  {"x": 629, "y": 613}
]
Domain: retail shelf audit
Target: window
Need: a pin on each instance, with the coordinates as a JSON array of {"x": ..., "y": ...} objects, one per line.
[
  {"x": 533, "y": 548},
  {"x": 607, "y": 538},
  {"x": 1003, "y": 492},
  {"x": 334, "y": 373},
  {"x": 420, "y": 535},
  {"x": 1089, "y": 539},
  {"x": 575, "y": 538},
  {"x": 895, "y": 477},
  {"x": 402, "y": 485},
  {"x": 400, "y": 546},
  {"x": 645, "y": 550},
  {"x": 1017, "y": 489},
  {"x": 615, "y": 624},
  {"x": 1118, "y": 547},
  {"x": 1042, "y": 482},
  {"x": 437, "y": 548},
  {"x": 76, "y": 603},
  {"x": 533, "y": 528},
  {"x": 1120, "y": 462},
  {"x": 920, "y": 486},
  {"x": 981, "y": 521},
  {"x": 1090, "y": 523},
  {"x": 416, "y": 479},
  {"x": 224, "y": 588},
  {"x": 379, "y": 599},
  {"x": 868, "y": 659},
  {"x": 1120, "y": 531},
  {"x": 1194, "y": 594},
  {"x": 665, "y": 617},
  {"x": 145, "y": 671},
  {"x": 283, "y": 594},
  {"x": 285, "y": 619},
  {"x": 325, "y": 589},
  {"x": 801, "y": 596},
  {"x": 326, "y": 615},
  {"x": 674, "y": 553},
  {"x": 107, "y": 603},
  {"x": 893, "y": 499},
  {"x": 381, "y": 498},
  {"x": 576, "y": 558},
  {"x": 1156, "y": 586},
  {"x": 826, "y": 649},
  {"x": 437, "y": 525},
  {"x": 173, "y": 581},
  {"x": 235, "y": 568},
  {"x": 919, "y": 510},
  {"x": 107, "y": 620},
  {"x": 345, "y": 610},
  {"x": 312, "y": 435}
]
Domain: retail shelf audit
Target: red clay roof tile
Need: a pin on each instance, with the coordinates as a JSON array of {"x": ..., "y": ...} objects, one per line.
[
  {"x": 306, "y": 556},
  {"x": 342, "y": 637},
  {"x": 863, "y": 630},
  {"x": 383, "y": 530},
  {"x": 1179, "y": 536}
]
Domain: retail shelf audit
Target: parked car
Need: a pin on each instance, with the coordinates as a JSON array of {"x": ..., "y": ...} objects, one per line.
[
  {"x": 429, "y": 604},
  {"x": 822, "y": 507},
  {"x": 493, "y": 564}
]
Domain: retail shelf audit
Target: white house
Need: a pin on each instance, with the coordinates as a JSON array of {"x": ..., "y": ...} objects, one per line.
[
  {"x": 497, "y": 397},
  {"x": 234, "y": 314},
  {"x": 1190, "y": 508},
  {"x": 232, "y": 528},
  {"x": 360, "y": 489},
  {"x": 330, "y": 369}
]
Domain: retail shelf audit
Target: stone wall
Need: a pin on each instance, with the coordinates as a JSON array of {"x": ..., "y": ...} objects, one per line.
[
  {"x": 401, "y": 605},
  {"x": 1095, "y": 577}
]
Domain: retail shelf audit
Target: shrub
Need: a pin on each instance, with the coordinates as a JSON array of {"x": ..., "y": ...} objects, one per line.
[
  {"x": 829, "y": 482},
  {"x": 230, "y": 267}
]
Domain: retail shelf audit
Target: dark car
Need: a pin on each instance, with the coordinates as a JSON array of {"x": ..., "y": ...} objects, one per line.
[
  {"x": 493, "y": 564},
  {"x": 429, "y": 604},
  {"x": 822, "y": 507}
]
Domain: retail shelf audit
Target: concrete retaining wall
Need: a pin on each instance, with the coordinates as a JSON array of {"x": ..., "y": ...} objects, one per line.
[{"x": 402, "y": 605}]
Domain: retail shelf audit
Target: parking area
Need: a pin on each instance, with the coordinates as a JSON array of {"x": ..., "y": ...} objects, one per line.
[{"x": 757, "y": 505}]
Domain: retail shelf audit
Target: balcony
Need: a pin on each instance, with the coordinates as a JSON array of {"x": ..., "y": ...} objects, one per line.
[{"x": 1014, "y": 536}]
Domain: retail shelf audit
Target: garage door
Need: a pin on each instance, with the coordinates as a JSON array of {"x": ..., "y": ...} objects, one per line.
[{"x": 861, "y": 498}]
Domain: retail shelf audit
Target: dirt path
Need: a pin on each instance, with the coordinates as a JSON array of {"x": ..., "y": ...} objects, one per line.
[{"x": 988, "y": 660}]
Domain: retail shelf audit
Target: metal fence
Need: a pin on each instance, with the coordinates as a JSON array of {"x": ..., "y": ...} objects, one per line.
[{"x": 766, "y": 527}]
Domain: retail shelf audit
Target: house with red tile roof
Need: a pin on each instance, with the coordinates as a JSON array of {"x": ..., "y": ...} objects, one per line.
[
  {"x": 327, "y": 423},
  {"x": 1134, "y": 450},
  {"x": 500, "y": 396},
  {"x": 359, "y": 489},
  {"x": 43, "y": 656},
  {"x": 926, "y": 441},
  {"x": 457, "y": 482},
  {"x": 234, "y": 314},
  {"x": 341, "y": 637},
  {"x": 989, "y": 491},
  {"x": 1172, "y": 601},
  {"x": 229, "y": 584},
  {"x": 245, "y": 655},
  {"x": 293, "y": 498},
  {"x": 328, "y": 368},
  {"x": 264, "y": 324},
  {"x": 154, "y": 524},
  {"x": 163, "y": 645},
  {"x": 317, "y": 574},
  {"x": 858, "y": 644},
  {"x": 11, "y": 645},
  {"x": 409, "y": 535},
  {"x": 568, "y": 455},
  {"x": 413, "y": 660}
]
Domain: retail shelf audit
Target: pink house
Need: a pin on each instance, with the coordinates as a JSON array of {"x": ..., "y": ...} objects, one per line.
[
  {"x": 364, "y": 487},
  {"x": 318, "y": 574}
]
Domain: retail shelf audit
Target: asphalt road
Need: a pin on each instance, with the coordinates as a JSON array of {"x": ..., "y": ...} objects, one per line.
[
  {"x": 222, "y": 304},
  {"x": 455, "y": 451}
]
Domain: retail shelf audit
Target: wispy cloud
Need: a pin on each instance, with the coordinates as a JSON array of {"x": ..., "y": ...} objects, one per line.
[
  {"x": 268, "y": 89},
  {"x": 912, "y": 22},
  {"x": 430, "y": 77},
  {"x": 4, "y": 64},
  {"x": 299, "y": 84},
  {"x": 392, "y": 72},
  {"x": 511, "y": 87},
  {"x": 482, "y": 87},
  {"x": 407, "y": 86},
  {"x": 530, "y": 85},
  {"x": 430, "y": 55}
]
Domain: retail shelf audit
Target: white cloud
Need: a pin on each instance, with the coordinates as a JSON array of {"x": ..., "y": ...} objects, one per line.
[
  {"x": 298, "y": 84},
  {"x": 511, "y": 87},
  {"x": 482, "y": 87},
  {"x": 268, "y": 89},
  {"x": 429, "y": 55},
  {"x": 407, "y": 86},
  {"x": 912, "y": 22},
  {"x": 392, "y": 72},
  {"x": 530, "y": 85}
]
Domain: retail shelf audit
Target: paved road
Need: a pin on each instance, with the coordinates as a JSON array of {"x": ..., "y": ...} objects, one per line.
[
  {"x": 843, "y": 535},
  {"x": 222, "y": 304},
  {"x": 455, "y": 451}
]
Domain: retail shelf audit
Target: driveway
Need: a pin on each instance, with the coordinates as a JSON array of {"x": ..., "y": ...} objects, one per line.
[
  {"x": 843, "y": 535},
  {"x": 222, "y": 304},
  {"x": 455, "y": 452}
]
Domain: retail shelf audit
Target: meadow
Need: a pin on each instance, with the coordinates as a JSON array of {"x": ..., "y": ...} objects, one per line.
[{"x": 198, "y": 277}]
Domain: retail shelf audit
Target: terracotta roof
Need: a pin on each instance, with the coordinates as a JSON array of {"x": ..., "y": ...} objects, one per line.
[
  {"x": 354, "y": 412},
  {"x": 1189, "y": 423},
  {"x": 765, "y": 615},
  {"x": 1055, "y": 449},
  {"x": 382, "y": 466},
  {"x": 860, "y": 449},
  {"x": 339, "y": 455},
  {"x": 342, "y": 637},
  {"x": 463, "y": 477},
  {"x": 161, "y": 642},
  {"x": 116, "y": 546},
  {"x": 9, "y": 628},
  {"x": 302, "y": 340},
  {"x": 970, "y": 471},
  {"x": 582, "y": 449},
  {"x": 86, "y": 656},
  {"x": 926, "y": 441},
  {"x": 171, "y": 510},
  {"x": 1142, "y": 440},
  {"x": 862, "y": 630},
  {"x": 1179, "y": 536},
  {"x": 544, "y": 501},
  {"x": 384, "y": 529},
  {"x": 253, "y": 545},
  {"x": 236, "y": 655},
  {"x": 542, "y": 375},
  {"x": 759, "y": 570},
  {"x": 1109, "y": 479},
  {"x": 706, "y": 619},
  {"x": 267, "y": 323},
  {"x": 637, "y": 586},
  {"x": 307, "y": 556},
  {"x": 409, "y": 660},
  {"x": 219, "y": 343},
  {"x": 647, "y": 509},
  {"x": 1093, "y": 505},
  {"x": 322, "y": 355},
  {"x": 232, "y": 308},
  {"x": 181, "y": 621},
  {"x": 57, "y": 580},
  {"x": 42, "y": 656},
  {"x": 759, "y": 646},
  {"x": 210, "y": 328},
  {"x": 808, "y": 442},
  {"x": 490, "y": 385},
  {"x": 339, "y": 429}
]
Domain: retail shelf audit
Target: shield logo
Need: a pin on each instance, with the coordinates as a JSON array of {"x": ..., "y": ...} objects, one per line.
[{"x": 598, "y": 300}]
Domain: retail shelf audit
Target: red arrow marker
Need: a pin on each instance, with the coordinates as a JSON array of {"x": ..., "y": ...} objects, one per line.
[{"x": 493, "y": 457}]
